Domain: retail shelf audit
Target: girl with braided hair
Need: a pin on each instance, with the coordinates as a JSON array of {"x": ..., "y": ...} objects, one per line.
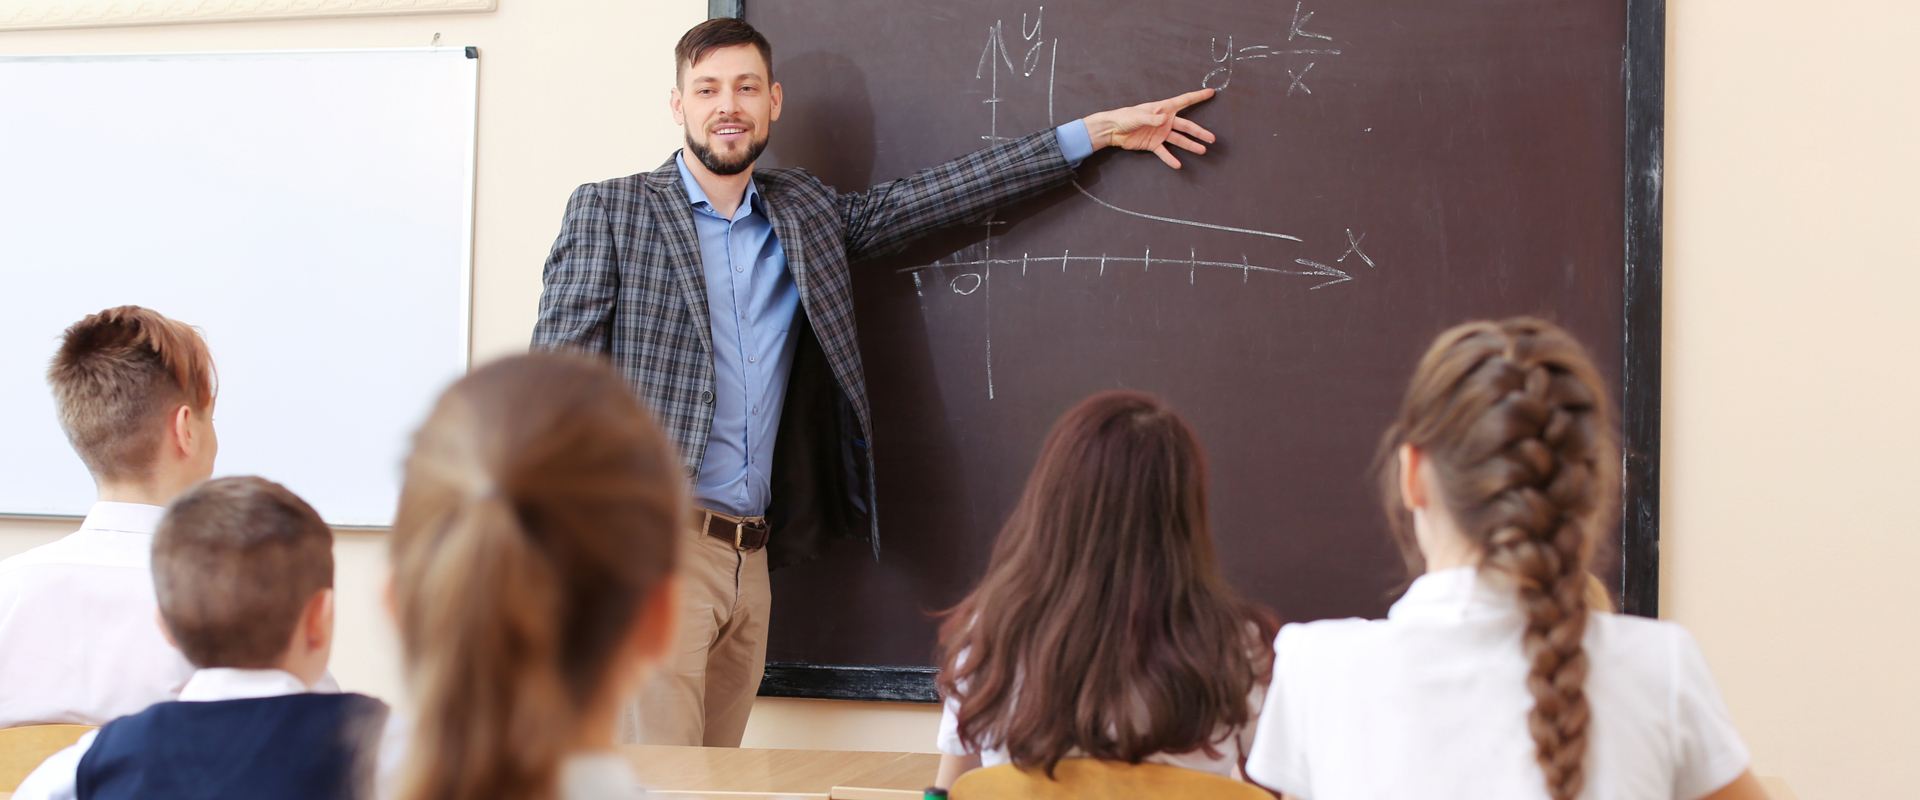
[{"x": 1496, "y": 675}]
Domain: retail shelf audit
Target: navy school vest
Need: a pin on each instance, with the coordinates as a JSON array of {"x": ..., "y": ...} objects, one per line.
[{"x": 297, "y": 747}]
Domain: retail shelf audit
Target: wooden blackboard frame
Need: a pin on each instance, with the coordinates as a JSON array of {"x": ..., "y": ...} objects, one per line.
[{"x": 1644, "y": 79}]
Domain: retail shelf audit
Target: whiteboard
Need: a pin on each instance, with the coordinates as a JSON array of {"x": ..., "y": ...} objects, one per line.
[{"x": 310, "y": 211}]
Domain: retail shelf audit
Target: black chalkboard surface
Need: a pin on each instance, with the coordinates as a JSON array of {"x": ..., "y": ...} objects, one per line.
[{"x": 1384, "y": 170}]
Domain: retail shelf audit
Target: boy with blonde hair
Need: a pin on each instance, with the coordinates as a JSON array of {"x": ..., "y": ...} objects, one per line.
[{"x": 78, "y": 644}]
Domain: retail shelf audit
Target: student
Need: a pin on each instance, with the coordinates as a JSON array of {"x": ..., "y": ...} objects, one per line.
[
  {"x": 1495, "y": 675},
  {"x": 135, "y": 392},
  {"x": 533, "y": 560},
  {"x": 1103, "y": 628},
  {"x": 244, "y": 574}
]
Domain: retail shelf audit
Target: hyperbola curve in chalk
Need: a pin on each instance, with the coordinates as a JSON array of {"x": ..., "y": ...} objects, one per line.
[{"x": 989, "y": 68}]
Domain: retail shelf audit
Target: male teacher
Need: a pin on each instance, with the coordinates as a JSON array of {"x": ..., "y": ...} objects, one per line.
[{"x": 723, "y": 294}]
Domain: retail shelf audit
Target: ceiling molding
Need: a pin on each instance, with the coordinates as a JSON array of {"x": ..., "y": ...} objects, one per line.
[{"x": 39, "y": 14}]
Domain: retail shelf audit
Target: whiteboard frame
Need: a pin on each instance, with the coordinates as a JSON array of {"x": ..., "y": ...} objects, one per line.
[{"x": 471, "y": 161}]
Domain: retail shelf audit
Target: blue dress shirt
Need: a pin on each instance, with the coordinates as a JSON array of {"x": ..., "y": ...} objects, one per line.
[{"x": 751, "y": 300}]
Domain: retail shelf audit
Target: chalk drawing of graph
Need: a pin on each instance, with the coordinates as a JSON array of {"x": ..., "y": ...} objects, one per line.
[{"x": 1034, "y": 54}]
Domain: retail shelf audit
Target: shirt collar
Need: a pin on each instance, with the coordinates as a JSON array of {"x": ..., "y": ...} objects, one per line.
[
  {"x": 1454, "y": 595},
  {"x": 123, "y": 517},
  {"x": 227, "y": 683},
  {"x": 697, "y": 196}
]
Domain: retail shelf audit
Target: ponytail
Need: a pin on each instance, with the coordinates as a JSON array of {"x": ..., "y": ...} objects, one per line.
[
  {"x": 493, "y": 708},
  {"x": 1513, "y": 418},
  {"x": 539, "y": 511}
]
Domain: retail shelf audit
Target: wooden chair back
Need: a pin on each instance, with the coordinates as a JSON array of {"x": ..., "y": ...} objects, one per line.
[{"x": 23, "y": 748}]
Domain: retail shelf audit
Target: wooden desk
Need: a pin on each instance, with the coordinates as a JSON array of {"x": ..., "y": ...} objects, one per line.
[{"x": 725, "y": 773}]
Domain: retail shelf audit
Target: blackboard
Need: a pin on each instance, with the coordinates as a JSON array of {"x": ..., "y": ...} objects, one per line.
[{"x": 1385, "y": 170}]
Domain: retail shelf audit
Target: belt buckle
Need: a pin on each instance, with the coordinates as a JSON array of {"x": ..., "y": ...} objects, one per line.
[{"x": 739, "y": 533}]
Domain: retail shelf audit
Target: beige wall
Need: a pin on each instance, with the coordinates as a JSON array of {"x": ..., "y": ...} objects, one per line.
[
  {"x": 1791, "y": 337},
  {"x": 1792, "y": 378}
]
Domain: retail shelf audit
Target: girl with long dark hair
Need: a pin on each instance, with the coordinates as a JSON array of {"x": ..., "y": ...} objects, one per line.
[{"x": 1102, "y": 628}]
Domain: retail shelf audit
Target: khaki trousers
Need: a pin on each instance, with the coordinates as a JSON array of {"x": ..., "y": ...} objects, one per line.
[{"x": 703, "y": 694}]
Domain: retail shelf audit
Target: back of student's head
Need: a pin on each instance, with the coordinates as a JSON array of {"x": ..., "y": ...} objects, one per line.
[
  {"x": 1103, "y": 623},
  {"x": 540, "y": 510},
  {"x": 235, "y": 563},
  {"x": 1513, "y": 418},
  {"x": 117, "y": 378}
]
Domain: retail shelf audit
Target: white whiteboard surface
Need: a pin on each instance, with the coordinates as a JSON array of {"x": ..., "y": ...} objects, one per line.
[{"x": 310, "y": 211}]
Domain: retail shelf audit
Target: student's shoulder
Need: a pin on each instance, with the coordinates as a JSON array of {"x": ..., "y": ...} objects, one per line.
[
  {"x": 1626, "y": 643},
  {"x": 72, "y": 550},
  {"x": 1326, "y": 641}
]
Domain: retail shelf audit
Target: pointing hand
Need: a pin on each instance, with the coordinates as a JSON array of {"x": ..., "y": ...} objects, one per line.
[{"x": 1152, "y": 126}]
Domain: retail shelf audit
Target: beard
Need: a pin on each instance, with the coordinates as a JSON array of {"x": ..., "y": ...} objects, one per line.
[{"x": 723, "y": 165}]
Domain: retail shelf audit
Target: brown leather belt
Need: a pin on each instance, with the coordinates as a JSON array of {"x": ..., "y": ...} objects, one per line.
[{"x": 746, "y": 534}]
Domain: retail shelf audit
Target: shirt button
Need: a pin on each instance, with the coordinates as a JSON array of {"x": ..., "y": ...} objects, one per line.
[
  {"x": 739, "y": 269},
  {"x": 756, "y": 409},
  {"x": 751, "y": 359},
  {"x": 706, "y": 397},
  {"x": 692, "y": 471}
]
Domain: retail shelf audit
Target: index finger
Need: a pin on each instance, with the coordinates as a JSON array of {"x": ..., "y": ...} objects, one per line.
[{"x": 1190, "y": 98}]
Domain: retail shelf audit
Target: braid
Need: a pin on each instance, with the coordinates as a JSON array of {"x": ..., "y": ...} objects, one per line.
[
  {"x": 1513, "y": 421},
  {"x": 1539, "y": 541}
]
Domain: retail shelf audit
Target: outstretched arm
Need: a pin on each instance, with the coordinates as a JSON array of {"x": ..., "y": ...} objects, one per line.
[{"x": 887, "y": 217}]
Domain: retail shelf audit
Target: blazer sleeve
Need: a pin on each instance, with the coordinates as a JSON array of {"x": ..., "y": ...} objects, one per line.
[
  {"x": 580, "y": 280},
  {"x": 884, "y": 219}
]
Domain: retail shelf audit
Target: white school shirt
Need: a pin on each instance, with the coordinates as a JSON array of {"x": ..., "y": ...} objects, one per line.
[
  {"x": 1231, "y": 744},
  {"x": 56, "y": 777},
  {"x": 79, "y": 640},
  {"x": 1432, "y": 702}
]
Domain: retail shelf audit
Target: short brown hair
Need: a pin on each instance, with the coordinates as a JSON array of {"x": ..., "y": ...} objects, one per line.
[
  {"x": 115, "y": 378},
  {"x": 715, "y": 34},
  {"x": 235, "y": 561}
]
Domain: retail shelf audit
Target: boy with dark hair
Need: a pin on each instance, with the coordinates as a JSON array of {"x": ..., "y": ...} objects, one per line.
[
  {"x": 135, "y": 392},
  {"x": 244, "y": 573}
]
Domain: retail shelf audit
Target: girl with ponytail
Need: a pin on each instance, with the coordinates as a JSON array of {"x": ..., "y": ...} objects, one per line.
[
  {"x": 1497, "y": 674},
  {"x": 533, "y": 556}
]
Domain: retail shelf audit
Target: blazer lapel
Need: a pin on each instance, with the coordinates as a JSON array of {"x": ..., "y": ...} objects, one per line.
[
  {"x": 675, "y": 217},
  {"x": 792, "y": 244}
]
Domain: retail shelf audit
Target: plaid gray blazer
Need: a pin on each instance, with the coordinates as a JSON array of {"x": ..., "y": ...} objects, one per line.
[{"x": 625, "y": 280}]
